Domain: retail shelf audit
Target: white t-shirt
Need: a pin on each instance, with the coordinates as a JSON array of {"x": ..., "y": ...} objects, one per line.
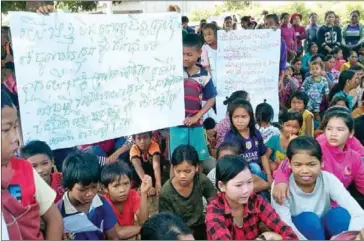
[{"x": 208, "y": 59}]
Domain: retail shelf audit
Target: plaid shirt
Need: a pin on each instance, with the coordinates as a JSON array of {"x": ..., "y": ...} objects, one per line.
[{"x": 219, "y": 220}]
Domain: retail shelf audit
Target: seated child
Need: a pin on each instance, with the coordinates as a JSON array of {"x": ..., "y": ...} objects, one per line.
[
  {"x": 339, "y": 101},
  {"x": 209, "y": 125},
  {"x": 297, "y": 64},
  {"x": 263, "y": 116},
  {"x": 40, "y": 155},
  {"x": 182, "y": 194},
  {"x": 86, "y": 215},
  {"x": 165, "y": 226},
  {"x": 234, "y": 214},
  {"x": 316, "y": 87},
  {"x": 125, "y": 202},
  {"x": 339, "y": 58},
  {"x": 231, "y": 148},
  {"x": 288, "y": 86},
  {"x": 291, "y": 123},
  {"x": 299, "y": 103},
  {"x": 26, "y": 198},
  {"x": 308, "y": 208},
  {"x": 145, "y": 157}
]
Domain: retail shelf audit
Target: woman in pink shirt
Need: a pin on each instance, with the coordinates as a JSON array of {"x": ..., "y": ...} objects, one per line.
[
  {"x": 338, "y": 158},
  {"x": 224, "y": 126},
  {"x": 300, "y": 31},
  {"x": 289, "y": 36}
]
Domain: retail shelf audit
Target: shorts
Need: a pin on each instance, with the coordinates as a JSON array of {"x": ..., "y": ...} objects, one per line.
[{"x": 194, "y": 136}]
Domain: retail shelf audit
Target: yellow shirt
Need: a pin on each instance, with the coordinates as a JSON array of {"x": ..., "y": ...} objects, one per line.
[
  {"x": 305, "y": 114},
  {"x": 347, "y": 66}
]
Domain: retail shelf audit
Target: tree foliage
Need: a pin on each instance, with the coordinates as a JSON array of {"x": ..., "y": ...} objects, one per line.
[
  {"x": 76, "y": 6},
  {"x": 12, "y": 6}
]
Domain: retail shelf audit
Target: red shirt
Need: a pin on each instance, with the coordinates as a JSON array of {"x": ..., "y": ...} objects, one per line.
[
  {"x": 130, "y": 207},
  {"x": 56, "y": 185},
  {"x": 220, "y": 226}
]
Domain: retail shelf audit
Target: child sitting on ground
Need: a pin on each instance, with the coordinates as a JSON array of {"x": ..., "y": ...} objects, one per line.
[
  {"x": 263, "y": 116},
  {"x": 288, "y": 87},
  {"x": 81, "y": 207},
  {"x": 291, "y": 123},
  {"x": 145, "y": 157},
  {"x": 40, "y": 155},
  {"x": 299, "y": 103},
  {"x": 125, "y": 202},
  {"x": 209, "y": 125},
  {"x": 339, "y": 58}
]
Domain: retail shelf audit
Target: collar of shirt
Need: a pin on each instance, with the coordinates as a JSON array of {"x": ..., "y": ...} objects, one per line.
[
  {"x": 70, "y": 209},
  {"x": 248, "y": 208}
]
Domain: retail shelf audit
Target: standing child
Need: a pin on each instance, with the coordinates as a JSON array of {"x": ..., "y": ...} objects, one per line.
[
  {"x": 125, "y": 202},
  {"x": 25, "y": 196},
  {"x": 182, "y": 194},
  {"x": 81, "y": 207},
  {"x": 347, "y": 82},
  {"x": 316, "y": 87},
  {"x": 197, "y": 82},
  {"x": 209, "y": 50},
  {"x": 40, "y": 155},
  {"x": 234, "y": 214},
  {"x": 264, "y": 114},
  {"x": 308, "y": 210},
  {"x": 313, "y": 49},
  {"x": 337, "y": 52},
  {"x": 299, "y": 103},
  {"x": 145, "y": 156},
  {"x": 291, "y": 123},
  {"x": 249, "y": 139}
]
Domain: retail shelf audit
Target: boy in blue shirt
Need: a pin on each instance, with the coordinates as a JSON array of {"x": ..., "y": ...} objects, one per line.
[
  {"x": 86, "y": 215},
  {"x": 197, "y": 83}
]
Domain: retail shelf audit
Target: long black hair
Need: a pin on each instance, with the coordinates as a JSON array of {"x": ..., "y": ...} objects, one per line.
[{"x": 343, "y": 79}]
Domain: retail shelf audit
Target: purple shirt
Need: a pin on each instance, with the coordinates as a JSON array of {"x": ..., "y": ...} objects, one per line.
[
  {"x": 252, "y": 148},
  {"x": 283, "y": 57}
]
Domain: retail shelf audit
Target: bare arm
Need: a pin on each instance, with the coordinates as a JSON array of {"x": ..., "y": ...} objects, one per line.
[
  {"x": 266, "y": 168},
  {"x": 138, "y": 167},
  {"x": 54, "y": 223},
  {"x": 157, "y": 172},
  {"x": 259, "y": 184},
  {"x": 142, "y": 213},
  {"x": 309, "y": 122},
  {"x": 127, "y": 232}
]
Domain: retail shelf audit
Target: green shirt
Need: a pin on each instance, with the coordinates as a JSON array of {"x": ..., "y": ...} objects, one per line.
[{"x": 190, "y": 209}]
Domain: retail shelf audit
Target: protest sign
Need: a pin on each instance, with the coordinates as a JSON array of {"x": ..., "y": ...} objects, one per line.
[
  {"x": 84, "y": 78},
  {"x": 248, "y": 60}
]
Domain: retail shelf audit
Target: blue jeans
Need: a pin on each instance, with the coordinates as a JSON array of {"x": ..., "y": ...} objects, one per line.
[
  {"x": 257, "y": 170},
  {"x": 98, "y": 151},
  {"x": 311, "y": 226}
]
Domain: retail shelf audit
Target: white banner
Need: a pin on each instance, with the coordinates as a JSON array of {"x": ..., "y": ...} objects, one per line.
[
  {"x": 248, "y": 60},
  {"x": 84, "y": 78}
]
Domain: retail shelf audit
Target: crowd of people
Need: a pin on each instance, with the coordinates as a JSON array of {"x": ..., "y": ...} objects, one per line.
[{"x": 244, "y": 177}]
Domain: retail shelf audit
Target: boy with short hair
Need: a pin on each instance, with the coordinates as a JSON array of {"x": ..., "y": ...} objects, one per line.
[
  {"x": 209, "y": 125},
  {"x": 86, "y": 215},
  {"x": 125, "y": 202},
  {"x": 299, "y": 101},
  {"x": 145, "y": 156},
  {"x": 40, "y": 155},
  {"x": 197, "y": 82}
]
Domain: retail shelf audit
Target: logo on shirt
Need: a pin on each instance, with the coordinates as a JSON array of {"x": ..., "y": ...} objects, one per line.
[
  {"x": 248, "y": 145},
  {"x": 15, "y": 191}
]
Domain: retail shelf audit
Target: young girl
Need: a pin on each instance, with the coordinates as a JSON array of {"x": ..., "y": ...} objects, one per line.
[
  {"x": 298, "y": 104},
  {"x": 329, "y": 68},
  {"x": 224, "y": 125},
  {"x": 264, "y": 115},
  {"x": 316, "y": 87},
  {"x": 288, "y": 87},
  {"x": 183, "y": 193},
  {"x": 339, "y": 158},
  {"x": 209, "y": 49},
  {"x": 339, "y": 58},
  {"x": 26, "y": 198},
  {"x": 250, "y": 140},
  {"x": 347, "y": 82},
  {"x": 291, "y": 123},
  {"x": 234, "y": 214},
  {"x": 352, "y": 60},
  {"x": 308, "y": 208},
  {"x": 313, "y": 49},
  {"x": 328, "y": 35},
  {"x": 297, "y": 65}
]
